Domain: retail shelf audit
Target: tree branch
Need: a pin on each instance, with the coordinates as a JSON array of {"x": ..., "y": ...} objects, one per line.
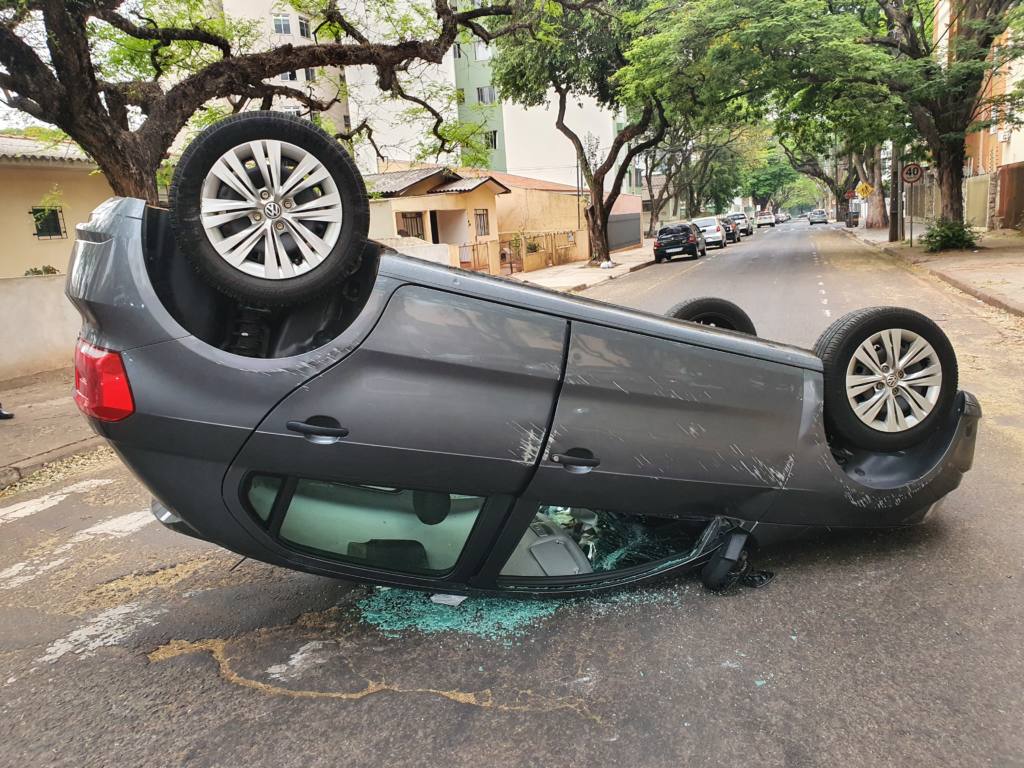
[{"x": 165, "y": 35}]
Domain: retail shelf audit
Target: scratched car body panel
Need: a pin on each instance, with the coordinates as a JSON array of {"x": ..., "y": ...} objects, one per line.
[{"x": 497, "y": 437}]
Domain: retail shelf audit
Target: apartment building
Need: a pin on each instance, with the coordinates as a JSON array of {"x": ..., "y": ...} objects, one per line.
[
  {"x": 524, "y": 141},
  {"x": 280, "y": 24},
  {"x": 994, "y": 163}
]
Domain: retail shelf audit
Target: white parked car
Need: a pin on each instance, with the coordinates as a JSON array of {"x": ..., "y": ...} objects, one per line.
[
  {"x": 714, "y": 232},
  {"x": 765, "y": 219},
  {"x": 817, "y": 216}
]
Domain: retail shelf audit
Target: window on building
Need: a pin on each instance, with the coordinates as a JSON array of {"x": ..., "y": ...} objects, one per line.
[
  {"x": 289, "y": 76},
  {"x": 282, "y": 24},
  {"x": 411, "y": 225},
  {"x": 486, "y": 94},
  {"x": 347, "y": 121},
  {"x": 310, "y": 74},
  {"x": 304, "y": 27},
  {"x": 292, "y": 110},
  {"x": 482, "y": 51},
  {"x": 483, "y": 224},
  {"x": 49, "y": 223},
  {"x": 491, "y": 139},
  {"x": 457, "y": 50}
]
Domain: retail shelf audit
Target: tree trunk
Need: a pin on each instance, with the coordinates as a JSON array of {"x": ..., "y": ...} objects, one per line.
[
  {"x": 597, "y": 229},
  {"x": 950, "y": 162},
  {"x": 869, "y": 171},
  {"x": 129, "y": 168},
  {"x": 657, "y": 206}
]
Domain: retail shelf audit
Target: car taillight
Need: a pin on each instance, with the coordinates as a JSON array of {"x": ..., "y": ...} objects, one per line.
[
  {"x": 101, "y": 383},
  {"x": 657, "y": 243},
  {"x": 692, "y": 239}
]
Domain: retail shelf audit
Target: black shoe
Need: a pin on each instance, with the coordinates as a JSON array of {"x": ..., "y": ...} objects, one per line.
[{"x": 5, "y": 414}]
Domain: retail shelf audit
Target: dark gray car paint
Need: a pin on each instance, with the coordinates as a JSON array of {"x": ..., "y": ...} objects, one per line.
[{"x": 450, "y": 380}]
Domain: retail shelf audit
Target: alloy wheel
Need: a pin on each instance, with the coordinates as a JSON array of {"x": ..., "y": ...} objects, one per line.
[
  {"x": 893, "y": 380},
  {"x": 271, "y": 209}
]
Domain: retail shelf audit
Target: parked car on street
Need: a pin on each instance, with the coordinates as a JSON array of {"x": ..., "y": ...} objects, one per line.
[
  {"x": 818, "y": 216},
  {"x": 303, "y": 396},
  {"x": 744, "y": 222},
  {"x": 679, "y": 240},
  {"x": 714, "y": 231},
  {"x": 732, "y": 229},
  {"x": 765, "y": 219}
]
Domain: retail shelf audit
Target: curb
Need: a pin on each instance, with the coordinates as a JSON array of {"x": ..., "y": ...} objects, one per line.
[
  {"x": 19, "y": 470},
  {"x": 631, "y": 270},
  {"x": 967, "y": 288}
]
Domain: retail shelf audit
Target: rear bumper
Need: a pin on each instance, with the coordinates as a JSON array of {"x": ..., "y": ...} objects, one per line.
[
  {"x": 865, "y": 489},
  {"x": 685, "y": 249}
]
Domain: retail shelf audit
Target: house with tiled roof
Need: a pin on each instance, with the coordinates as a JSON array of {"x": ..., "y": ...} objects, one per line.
[
  {"x": 456, "y": 214},
  {"x": 46, "y": 188}
]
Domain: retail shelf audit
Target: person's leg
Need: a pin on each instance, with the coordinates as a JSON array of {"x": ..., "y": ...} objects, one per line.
[{"x": 5, "y": 414}]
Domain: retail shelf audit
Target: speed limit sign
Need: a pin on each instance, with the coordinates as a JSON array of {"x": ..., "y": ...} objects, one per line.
[{"x": 912, "y": 173}]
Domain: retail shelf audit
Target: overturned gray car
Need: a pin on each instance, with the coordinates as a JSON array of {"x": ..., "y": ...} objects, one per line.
[{"x": 297, "y": 394}]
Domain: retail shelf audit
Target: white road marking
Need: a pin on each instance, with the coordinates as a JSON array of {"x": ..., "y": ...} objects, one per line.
[
  {"x": 824, "y": 301},
  {"x": 32, "y": 506},
  {"x": 115, "y": 528},
  {"x": 105, "y": 629}
]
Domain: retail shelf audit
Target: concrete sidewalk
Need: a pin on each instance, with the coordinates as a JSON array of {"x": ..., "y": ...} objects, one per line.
[
  {"x": 993, "y": 273},
  {"x": 46, "y": 425},
  {"x": 580, "y": 275}
]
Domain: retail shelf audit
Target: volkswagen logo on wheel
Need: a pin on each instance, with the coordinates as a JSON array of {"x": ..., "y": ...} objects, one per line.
[{"x": 272, "y": 210}]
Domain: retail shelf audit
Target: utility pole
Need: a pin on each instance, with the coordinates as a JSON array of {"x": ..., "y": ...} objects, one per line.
[
  {"x": 895, "y": 196},
  {"x": 835, "y": 172}
]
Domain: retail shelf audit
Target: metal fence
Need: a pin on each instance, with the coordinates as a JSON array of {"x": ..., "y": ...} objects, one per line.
[
  {"x": 527, "y": 251},
  {"x": 474, "y": 257}
]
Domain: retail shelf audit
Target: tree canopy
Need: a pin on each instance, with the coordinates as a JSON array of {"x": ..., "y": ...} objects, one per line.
[
  {"x": 123, "y": 78},
  {"x": 577, "y": 54}
]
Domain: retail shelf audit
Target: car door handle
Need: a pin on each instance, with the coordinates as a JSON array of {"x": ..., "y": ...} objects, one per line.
[
  {"x": 318, "y": 426},
  {"x": 569, "y": 460}
]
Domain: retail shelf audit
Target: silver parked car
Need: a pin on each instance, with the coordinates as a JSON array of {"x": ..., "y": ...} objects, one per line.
[
  {"x": 302, "y": 396},
  {"x": 714, "y": 233},
  {"x": 817, "y": 216}
]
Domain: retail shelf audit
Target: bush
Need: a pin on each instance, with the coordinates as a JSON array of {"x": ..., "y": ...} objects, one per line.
[
  {"x": 46, "y": 269},
  {"x": 948, "y": 235}
]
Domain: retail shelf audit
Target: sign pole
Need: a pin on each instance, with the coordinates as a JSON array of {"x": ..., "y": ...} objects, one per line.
[{"x": 911, "y": 174}]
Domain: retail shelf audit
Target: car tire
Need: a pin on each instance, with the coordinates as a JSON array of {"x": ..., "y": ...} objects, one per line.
[
  {"x": 874, "y": 403},
  {"x": 244, "y": 165},
  {"x": 718, "y": 313}
]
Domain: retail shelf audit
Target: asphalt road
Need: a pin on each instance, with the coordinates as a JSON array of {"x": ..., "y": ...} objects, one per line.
[{"x": 123, "y": 644}]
